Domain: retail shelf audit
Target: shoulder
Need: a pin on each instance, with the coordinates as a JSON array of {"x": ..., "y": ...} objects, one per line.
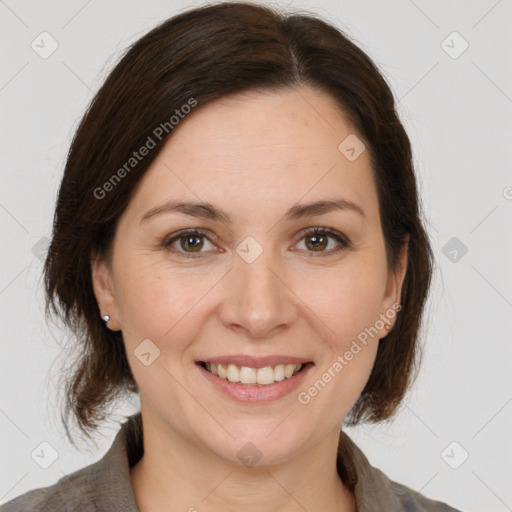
[
  {"x": 67, "y": 495},
  {"x": 101, "y": 486},
  {"x": 413, "y": 501},
  {"x": 374, "y": 490}
]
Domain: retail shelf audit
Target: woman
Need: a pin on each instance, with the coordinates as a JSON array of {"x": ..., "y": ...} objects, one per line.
[{"x": 237, "y": 238}]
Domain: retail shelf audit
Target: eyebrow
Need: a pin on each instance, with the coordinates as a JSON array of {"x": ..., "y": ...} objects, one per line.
[{"x": 204, "y": 210}]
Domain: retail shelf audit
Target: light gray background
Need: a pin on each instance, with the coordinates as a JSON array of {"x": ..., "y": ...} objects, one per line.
[{"x": 458, "y": 113}]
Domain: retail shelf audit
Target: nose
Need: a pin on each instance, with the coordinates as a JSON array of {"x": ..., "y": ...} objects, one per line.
[{"x": 258, "y": 300}]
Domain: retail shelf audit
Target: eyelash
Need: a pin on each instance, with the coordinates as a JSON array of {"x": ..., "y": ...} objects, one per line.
[{"x": 341, "y": 239}]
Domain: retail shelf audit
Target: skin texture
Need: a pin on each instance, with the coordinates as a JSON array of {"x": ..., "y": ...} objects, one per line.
[{"x": 254, "y": 156}]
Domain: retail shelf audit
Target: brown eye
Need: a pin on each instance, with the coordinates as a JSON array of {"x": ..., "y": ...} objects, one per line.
[
  {"x": 193, "y": 242},
  {"x": 317, "y": 241},
  {"x": 189, "y": 243},
  {"x": 186, "y": 243}
]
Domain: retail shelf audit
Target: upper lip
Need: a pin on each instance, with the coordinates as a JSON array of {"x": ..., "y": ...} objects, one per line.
[{"x": 255, "y": 362}]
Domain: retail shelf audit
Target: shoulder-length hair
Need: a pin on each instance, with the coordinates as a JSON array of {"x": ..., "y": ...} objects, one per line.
[{"x": 204, "y": 54}]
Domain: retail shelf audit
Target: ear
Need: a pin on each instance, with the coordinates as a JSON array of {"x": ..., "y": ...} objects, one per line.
[
  {"x": 103, "y": 286},
  {"x": 391, "y": 302}
]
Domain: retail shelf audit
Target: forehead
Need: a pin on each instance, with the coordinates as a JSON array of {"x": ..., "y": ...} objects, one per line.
[{"x": 259, "y": 150}]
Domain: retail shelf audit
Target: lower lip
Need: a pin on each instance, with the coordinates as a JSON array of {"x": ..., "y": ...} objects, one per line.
[{"x": 250, "y": 393}]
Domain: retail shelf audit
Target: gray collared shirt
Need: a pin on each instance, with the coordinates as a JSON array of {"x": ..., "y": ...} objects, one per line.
[{"x": 105, "y": 485}]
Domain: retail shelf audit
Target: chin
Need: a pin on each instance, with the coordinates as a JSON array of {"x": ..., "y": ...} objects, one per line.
[{"x": 261, "y": 445}]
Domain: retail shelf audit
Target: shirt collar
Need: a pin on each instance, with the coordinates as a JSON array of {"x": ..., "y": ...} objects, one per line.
[{"x": 373, "y": 489}]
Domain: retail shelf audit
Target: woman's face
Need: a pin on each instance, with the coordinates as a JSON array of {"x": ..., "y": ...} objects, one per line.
[{"x": 252, "y": 283}]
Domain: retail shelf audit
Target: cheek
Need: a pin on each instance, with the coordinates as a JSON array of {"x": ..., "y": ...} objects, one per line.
[
  {"x": 161, "y": 302},
  {"x": 158, "y": 302},
  {"x": 146, "y": 301},
  {"x": 345, "y": 300}
]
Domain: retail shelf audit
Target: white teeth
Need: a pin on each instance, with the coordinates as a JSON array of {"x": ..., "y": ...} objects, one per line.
[
  {"x": 265, "y": 375},
  {"x": 279, "y": 372},
  {"x": 221, "y": 371},
  {"x": 233, "y": 373},
  {"x": 246, "y": 375},
  {"x": 288, "y": 370}
]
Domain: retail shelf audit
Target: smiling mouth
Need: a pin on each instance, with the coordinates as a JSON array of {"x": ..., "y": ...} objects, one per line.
[{"x": 264, "y": 376}]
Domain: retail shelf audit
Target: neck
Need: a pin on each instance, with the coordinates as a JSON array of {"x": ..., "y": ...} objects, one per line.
[{"x": 176, "y": 474}]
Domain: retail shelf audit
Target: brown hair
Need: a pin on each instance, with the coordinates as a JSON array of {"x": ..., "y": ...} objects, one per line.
[{"x": 207, "y": 53}]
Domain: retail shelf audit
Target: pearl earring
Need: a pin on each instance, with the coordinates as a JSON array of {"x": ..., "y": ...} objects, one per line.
[{"x": 106, "y": 319}]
